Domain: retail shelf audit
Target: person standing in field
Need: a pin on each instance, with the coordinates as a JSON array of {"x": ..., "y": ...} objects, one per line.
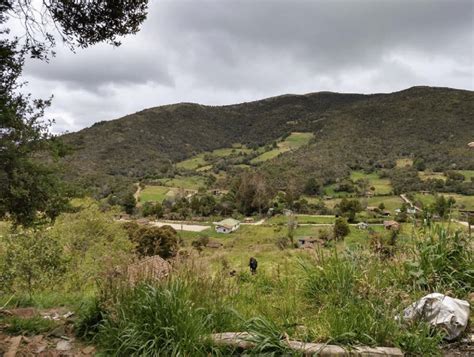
[{"x": 253, "y": 265}]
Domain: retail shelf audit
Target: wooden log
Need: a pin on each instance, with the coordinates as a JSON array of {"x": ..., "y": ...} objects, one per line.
[{"x": 242, "y": 340}]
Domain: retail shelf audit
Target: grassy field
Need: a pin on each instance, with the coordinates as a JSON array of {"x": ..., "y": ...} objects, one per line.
[
  {"x": 186, "y": 182},
  {"x": 292, "y": 142},
  {"x": 199, "y": 163},
  {"x": 382, "y": 185},
  {"x": 425, "y": 175},
  {"x": 153, "y": 194},
  {"x": 462, "y": 201},
  {"x": 391, "y": 202},
  {"x": 301, "y": 219}
]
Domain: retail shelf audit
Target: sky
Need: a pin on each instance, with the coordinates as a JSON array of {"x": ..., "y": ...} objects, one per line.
[{"x": 232, "y": 51}]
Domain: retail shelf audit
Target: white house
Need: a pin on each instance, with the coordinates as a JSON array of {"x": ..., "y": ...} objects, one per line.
[{"x": 228, "y": 225}]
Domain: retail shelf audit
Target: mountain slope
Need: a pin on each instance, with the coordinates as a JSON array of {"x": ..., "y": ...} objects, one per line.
[{"x": 351, "y": 131}]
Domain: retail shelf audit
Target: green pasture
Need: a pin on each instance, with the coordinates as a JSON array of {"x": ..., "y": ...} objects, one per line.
[
  {"x": 153, "y": 194},
  {"x": 186, "y": 182},
  {"x": 292, "y": 142}
]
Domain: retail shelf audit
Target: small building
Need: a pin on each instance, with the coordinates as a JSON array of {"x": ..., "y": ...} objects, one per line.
[
  {"x": 471, "y": 144},
  {"x": 372, "y": 209},
  {"x": 227, "y": 225},
  {"x": 248, "y": 220},
  {"x": 362, "y": 225},
  {"x": 411, "y": 210},
  {"x": 391, "y": 225},
  {"x": 385, "y": 213}
]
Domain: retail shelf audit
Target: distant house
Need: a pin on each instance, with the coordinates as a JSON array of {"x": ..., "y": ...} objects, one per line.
[
  {"x": 248, "y": 220},
  {"x": 391, "y": 225},
  {"x": 362, "y": 225},
  {"x": 227, "y": 225},
  {"x": 411, "y": 210},
  {"x": 471, "y": 144},
  {"x": 372, "y": 209}
]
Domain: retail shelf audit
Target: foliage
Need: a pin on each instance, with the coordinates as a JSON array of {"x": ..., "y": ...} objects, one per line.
[
  {"x": 26, "y": 185},
  {"x": 341, "y": 228},
  {"x": 149, "y": 241},
  {"x": 156, "y": 320},
  {"x": 94, "y": 245},
  {"x": 357, "y": 133},
  {"x": 152, "y": 209},
  {"x": 31, "y": 261},
  {"x": 28, "y": 326},
  {"x": 349, "y": 208},
  {"x": 443, "y": 261}
]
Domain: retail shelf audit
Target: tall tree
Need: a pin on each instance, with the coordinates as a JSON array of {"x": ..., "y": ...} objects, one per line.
[{"x": 27, "y": 187}]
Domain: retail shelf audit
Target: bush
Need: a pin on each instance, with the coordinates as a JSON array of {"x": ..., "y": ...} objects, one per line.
[
  {"x": 31, "y": 261},
  {"x": 93, "y": 245},
  {"x": 149, "y": 241},
  {"x": 341, "y": 228}
]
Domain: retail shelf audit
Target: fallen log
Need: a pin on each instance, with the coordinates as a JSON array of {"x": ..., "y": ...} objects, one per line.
[{"x": 243, "y": 340}]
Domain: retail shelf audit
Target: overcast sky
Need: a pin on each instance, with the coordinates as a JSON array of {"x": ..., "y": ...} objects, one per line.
[{"x": 231, "y": 51}]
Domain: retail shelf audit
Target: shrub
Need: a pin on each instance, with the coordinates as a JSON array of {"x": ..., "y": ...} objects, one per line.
[
  {"x": 93, "y": 245},
  {"x": 149, "y": 241},
  {"x": 31, "y": 261},
  {"x": 341, "y": 228},
  {"x": 442, "y": 261}
]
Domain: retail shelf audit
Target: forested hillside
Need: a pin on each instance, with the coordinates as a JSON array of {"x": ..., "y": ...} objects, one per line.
[{"x": 352, "y": 131}]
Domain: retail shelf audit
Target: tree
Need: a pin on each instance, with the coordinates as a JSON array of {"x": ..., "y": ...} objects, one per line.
[
  {"x": 129, "y": 203},
  {"x": 149, "y": 241},
  {"x": 341, "y": 228},
  {"x": 27, "y": 187},
  {"x": 312, "y": 187},
  {"x": 349, "y": 208}
]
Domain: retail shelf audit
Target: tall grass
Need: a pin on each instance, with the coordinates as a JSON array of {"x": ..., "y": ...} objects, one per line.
[
  {"x": 156, "y": 320},
  {"x": 442, "y": 261},
  {"x": 357, "y": 297}
]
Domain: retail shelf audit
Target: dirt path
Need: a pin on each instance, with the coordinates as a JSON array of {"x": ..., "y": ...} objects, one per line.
[
  {"x": 137, "y": 192},
  {"x": 180, "y": 226},
  {"x": 406, "y": 200}
]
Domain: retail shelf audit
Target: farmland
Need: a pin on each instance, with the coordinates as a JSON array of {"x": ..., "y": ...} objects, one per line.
[{"x": 292, "y": 142}]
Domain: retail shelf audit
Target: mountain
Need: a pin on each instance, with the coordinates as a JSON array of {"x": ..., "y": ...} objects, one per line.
[{"x": 352, "y": 131}]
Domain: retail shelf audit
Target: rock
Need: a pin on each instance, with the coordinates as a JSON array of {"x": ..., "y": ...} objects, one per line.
[
  {"x": 89, "y": 350},
  {"x": 447, "y": 313},
  {"x": 63, "y": 345}
]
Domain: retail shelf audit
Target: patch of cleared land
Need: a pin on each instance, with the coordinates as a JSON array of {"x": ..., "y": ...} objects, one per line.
[
  {"x": 462, "y": 201},
  {"x": 198, "y": 162},
  {"x": 187, "y": 182},
  {"x": 425, "y": 175},
  {"x": 153, "y": 194},
  {"x": 292, "y": 142},
  {"x": 382, "y": 185},
  {"x": 301, "y": 219},
  {"x": 404, "y": 162},
  {"x": 181, "y": 227}
]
